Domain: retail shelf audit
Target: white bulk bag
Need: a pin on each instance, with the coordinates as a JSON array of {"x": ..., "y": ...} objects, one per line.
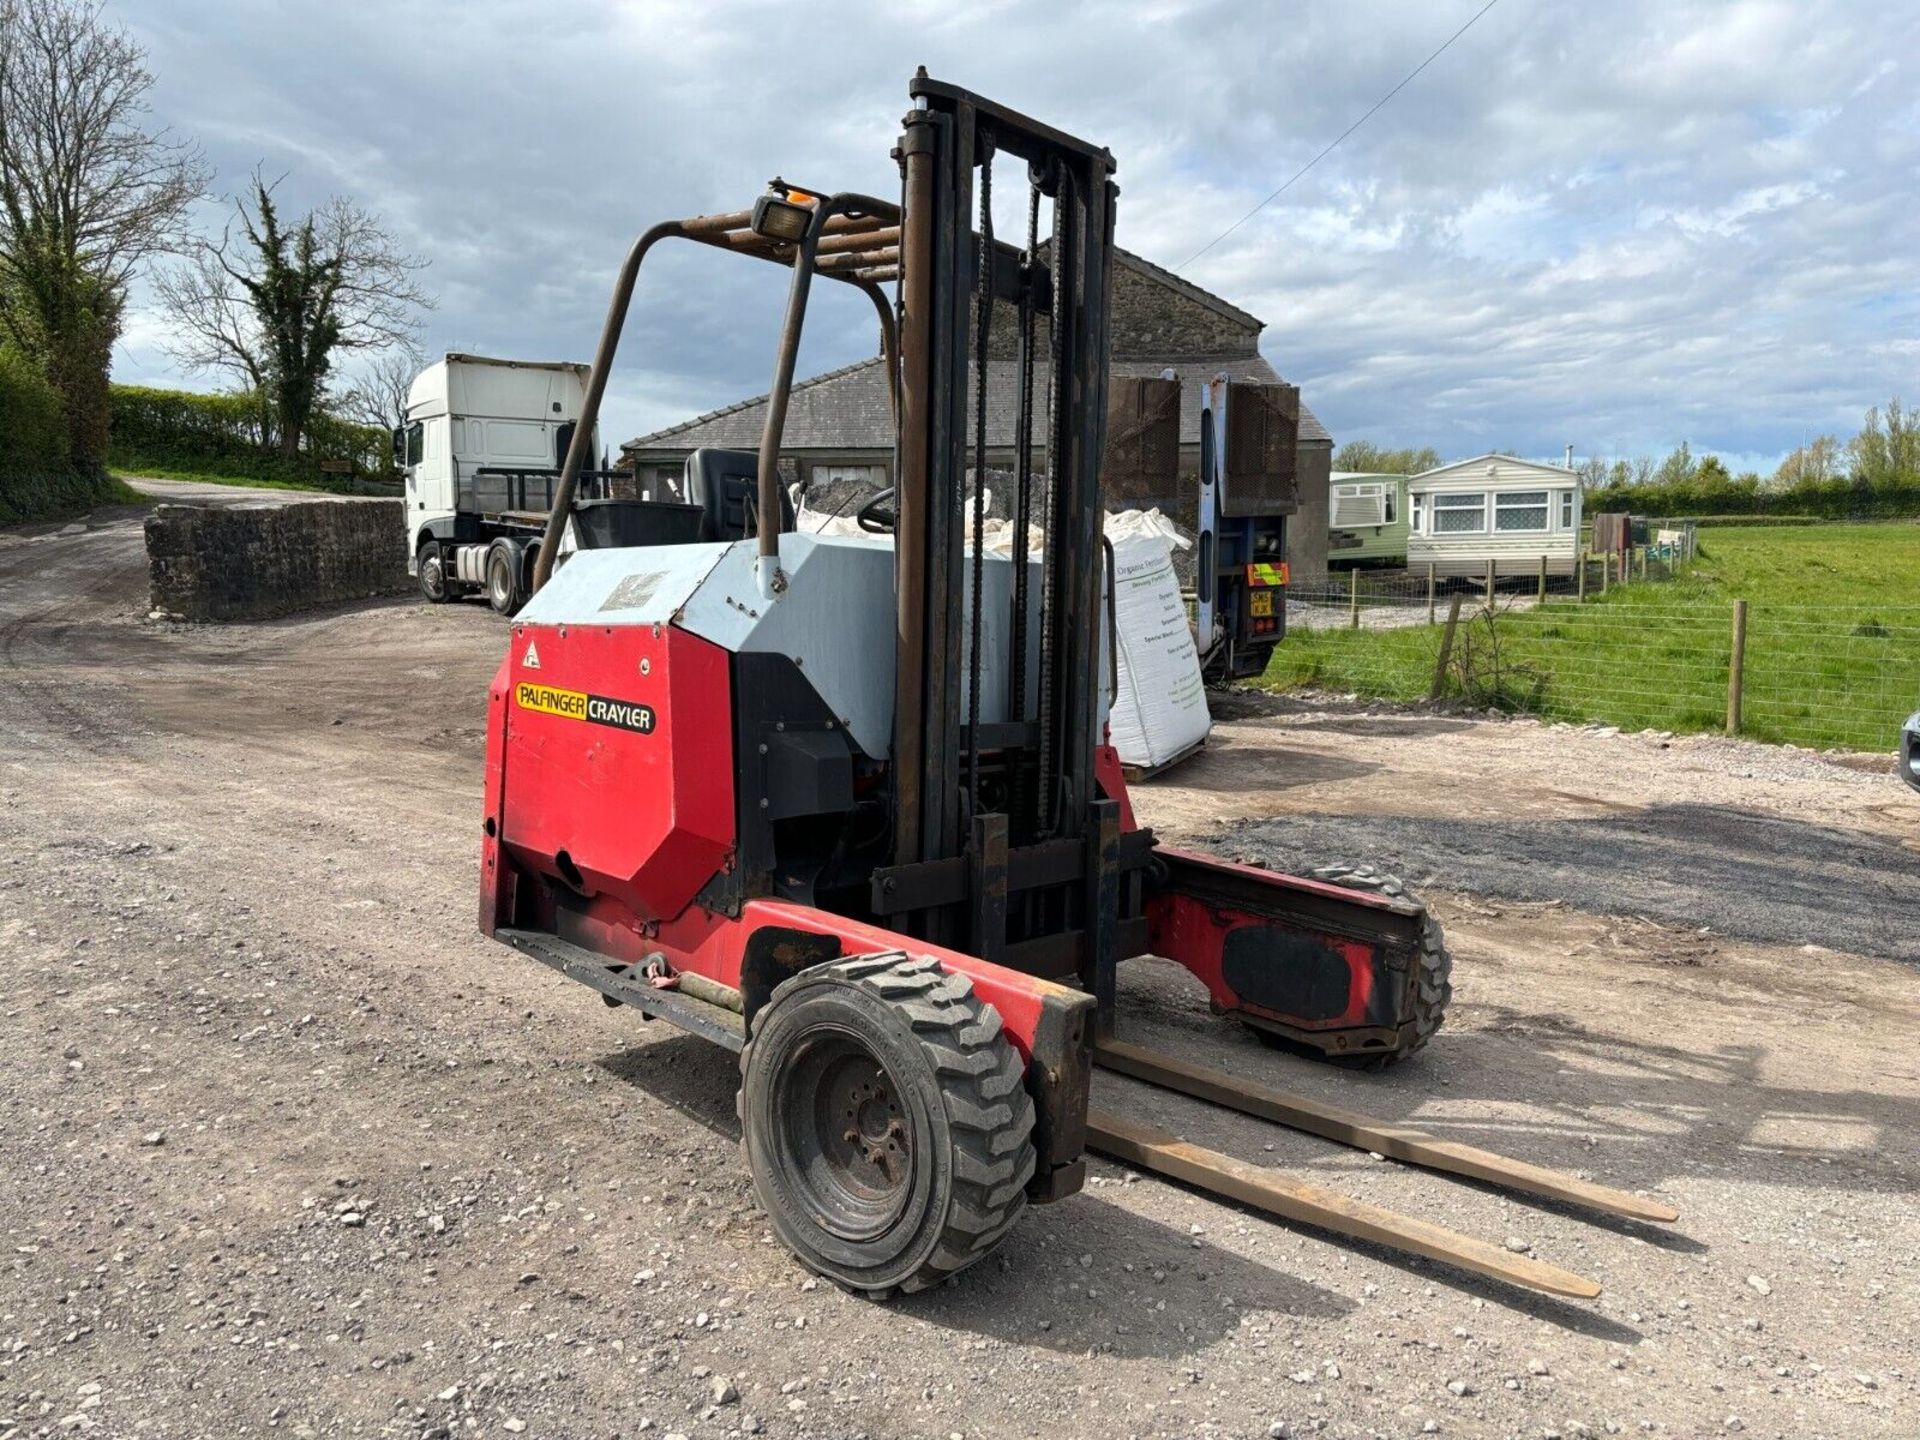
[{"x": 1160, "y": 712}]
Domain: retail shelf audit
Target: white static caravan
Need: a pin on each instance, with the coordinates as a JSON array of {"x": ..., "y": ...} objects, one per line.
[{"x": 1495, "y": 508}]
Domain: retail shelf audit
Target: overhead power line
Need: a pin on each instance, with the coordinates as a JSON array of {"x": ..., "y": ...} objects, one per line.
[{"x": 1341, "y": 136}]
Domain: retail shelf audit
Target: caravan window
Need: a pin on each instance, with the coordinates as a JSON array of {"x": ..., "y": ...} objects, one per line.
[
  {"x": 1358, "y": 505},
  {"x": 1524, "y": 510},
  {"x": 1566, "y": 509},
  {"x": 1386, "y": 505},
  {"x": 1418, "y": 523},
  {"x": 1459, "y": 514}
]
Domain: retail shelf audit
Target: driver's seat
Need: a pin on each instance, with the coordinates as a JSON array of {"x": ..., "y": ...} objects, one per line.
[{"x": 725, "y": 484}]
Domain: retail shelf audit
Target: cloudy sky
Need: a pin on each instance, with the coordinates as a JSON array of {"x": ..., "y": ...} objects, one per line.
[{"x": 1613, "y": 225}]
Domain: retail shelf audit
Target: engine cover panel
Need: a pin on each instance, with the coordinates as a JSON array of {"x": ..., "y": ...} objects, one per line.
[{"x": 619, "y": 761}]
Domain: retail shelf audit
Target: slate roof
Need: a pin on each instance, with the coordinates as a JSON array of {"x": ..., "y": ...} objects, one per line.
[{"x": 846, "y": 410}]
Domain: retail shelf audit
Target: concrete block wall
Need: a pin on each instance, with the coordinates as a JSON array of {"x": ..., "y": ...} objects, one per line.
[{"x": 253, "y": 563}]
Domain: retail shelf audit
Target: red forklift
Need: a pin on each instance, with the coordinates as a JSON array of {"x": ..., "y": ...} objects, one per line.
[{"x": 843, "y": 805}]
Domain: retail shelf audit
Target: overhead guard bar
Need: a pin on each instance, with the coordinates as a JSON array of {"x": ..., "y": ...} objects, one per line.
[{"x": 839, "y": 215}]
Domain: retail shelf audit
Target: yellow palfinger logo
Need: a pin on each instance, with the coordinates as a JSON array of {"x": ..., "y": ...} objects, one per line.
[
  {"x": 548, "y": 701},
  {"x": 577, "y": 705}
]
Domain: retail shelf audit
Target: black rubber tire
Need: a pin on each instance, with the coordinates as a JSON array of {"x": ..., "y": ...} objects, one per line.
[
  {"x": 961, "y": 1136},
  {"x": 503, "y": 584},
  {"x": 434, "y": 583},
  {"x": 1433, "y": 986}
]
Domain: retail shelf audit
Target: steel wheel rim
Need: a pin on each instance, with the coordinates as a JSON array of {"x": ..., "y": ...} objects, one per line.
[
  {"x": 845, "y": 1140},
  {"x": 500, "y": 586},
  {"x": 434, "y": 574}
]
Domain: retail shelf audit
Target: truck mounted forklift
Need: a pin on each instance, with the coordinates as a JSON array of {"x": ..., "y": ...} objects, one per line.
[{"x": 843, "y": 806}]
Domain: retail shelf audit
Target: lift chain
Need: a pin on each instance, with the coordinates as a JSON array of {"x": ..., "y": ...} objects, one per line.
[
  {"x": 983, "y": 318},
  {"x": 1022, "y": 509}
]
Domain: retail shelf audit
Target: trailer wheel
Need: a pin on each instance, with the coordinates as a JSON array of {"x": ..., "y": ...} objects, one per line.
[
  {"x": 886, "y": 1123},
  {"x": 1433, "y": 986},
  {"x": 503, "y": 585},
  {"x": 433, "y": 573}
]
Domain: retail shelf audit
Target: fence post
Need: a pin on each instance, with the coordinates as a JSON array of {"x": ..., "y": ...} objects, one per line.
[
  {"x": 1543, "y": 579},
  {"x": 1446, "y": 649},
  {"x": 1353, "y": 598},
  {"x": 1606, "y": 569},
  {"x": 1581, "y": 587},
  {"x": 1493, "y": 568},
  {"x": 1643, "y": 562},
  {"x": 1737, "y": 667},
  {"x": 1430, "y": 593}
]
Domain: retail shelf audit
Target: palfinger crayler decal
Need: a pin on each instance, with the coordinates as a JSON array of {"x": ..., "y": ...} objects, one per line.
[{"x": 578, "y": 705}]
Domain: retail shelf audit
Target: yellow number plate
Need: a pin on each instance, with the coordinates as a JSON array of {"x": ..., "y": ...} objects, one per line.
[{"x": 1260, "y": 602}]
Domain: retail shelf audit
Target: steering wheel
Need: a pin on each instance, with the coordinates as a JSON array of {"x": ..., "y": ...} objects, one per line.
[{"x": 877, "y": 517}]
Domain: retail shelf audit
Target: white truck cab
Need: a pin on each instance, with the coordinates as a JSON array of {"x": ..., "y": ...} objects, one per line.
[{"x": 481, "y": 451}]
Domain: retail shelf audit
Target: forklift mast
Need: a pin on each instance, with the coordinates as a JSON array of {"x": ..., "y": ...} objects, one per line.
[{"x": 987, "y": 794}]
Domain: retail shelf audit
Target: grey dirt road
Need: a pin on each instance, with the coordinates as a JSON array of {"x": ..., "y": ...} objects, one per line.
[{"x": 288, "y": 1149}]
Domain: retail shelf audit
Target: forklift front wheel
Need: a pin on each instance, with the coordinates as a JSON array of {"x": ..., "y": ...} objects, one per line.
[
  {"x": 433, "y": 573},
  {"x": 886, "y": 1123}
]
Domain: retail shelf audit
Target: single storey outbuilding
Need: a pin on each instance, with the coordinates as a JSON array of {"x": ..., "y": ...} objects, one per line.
[
  {"x": 839, "y": 427},
  {"x": 1494, "y": 509}
]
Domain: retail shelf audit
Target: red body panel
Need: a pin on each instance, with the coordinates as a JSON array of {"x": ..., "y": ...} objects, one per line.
[
  {"x": 1194, "y": 930},
  {"x": 646, "y": 818},
  {"x": 1113, "y": 782},
  {"x": 610, "y": 761}
]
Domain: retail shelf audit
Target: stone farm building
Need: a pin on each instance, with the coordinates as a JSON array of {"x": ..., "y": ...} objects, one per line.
[{"x": 839, "y": 428}]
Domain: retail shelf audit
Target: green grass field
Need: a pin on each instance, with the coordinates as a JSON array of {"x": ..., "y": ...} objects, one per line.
[
  {"x": 1832, "y": 656},
  {"x": 161, "y": 472}
]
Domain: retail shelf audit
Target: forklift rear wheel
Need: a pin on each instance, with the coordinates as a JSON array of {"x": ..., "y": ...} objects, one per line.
[
  {"x": 503, "y": 589},
  {"x": 433, "y": 573},
  {"x": 1433, "y": 985},
  {"x": 886, "y": 1123}
]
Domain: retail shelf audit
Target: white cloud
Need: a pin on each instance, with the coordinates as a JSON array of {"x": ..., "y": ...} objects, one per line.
[{"x": 1617, "y": 225}]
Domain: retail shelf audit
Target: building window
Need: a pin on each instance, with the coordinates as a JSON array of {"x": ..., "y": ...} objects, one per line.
[
  {"x": 871, "y": 475},
  {"x": 1459, "y": 514},
  {"x": 1521, "y": 510},
  {"x": 1566, "y": 509},
  {"x": 662, "y": 482}
]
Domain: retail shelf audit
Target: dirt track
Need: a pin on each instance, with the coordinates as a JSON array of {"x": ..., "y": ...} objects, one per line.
[{"x": 247, "y": 1003}]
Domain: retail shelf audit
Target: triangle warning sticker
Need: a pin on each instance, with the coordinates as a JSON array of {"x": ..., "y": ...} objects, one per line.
[{"x": 532, "y": 659}]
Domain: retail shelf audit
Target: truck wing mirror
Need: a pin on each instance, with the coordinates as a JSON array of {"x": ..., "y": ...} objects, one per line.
[
  {"x": 399, "y": 445},
  {"x": 1910, "y": 751}
]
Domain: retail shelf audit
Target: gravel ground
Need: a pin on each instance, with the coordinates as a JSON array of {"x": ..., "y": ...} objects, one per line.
[{"x": 289, "y": 1149}]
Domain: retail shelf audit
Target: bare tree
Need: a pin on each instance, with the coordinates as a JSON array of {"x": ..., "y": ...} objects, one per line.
[
  {"x": 274, "y": 303},
  {"x": 379, "y": 396},
  {"x": 89, "y": 190}
]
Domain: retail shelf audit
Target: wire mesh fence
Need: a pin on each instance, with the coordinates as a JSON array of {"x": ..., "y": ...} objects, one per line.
[
  {"x": 1641, "y": 657},
  {"x": 1378, "y": 598}
]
